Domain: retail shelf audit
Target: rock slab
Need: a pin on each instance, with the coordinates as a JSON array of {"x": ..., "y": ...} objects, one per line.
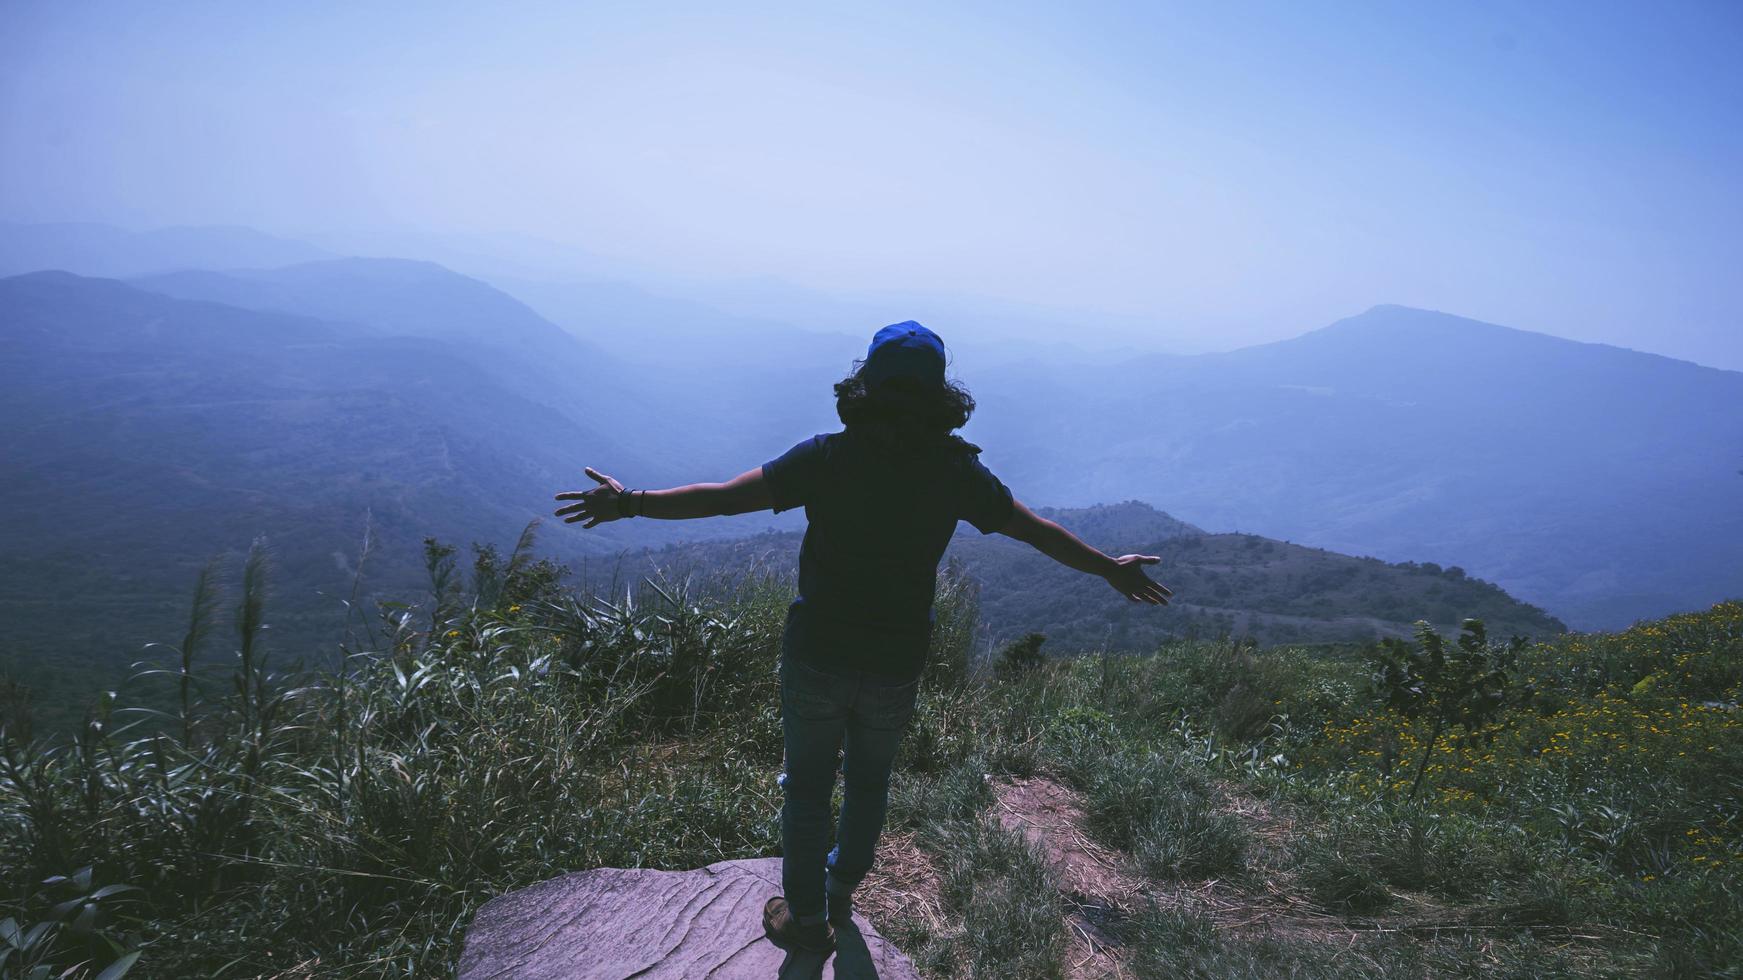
[{"x": 613, "y": 924}]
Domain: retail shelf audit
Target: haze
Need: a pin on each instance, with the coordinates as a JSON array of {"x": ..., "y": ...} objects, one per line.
[{"x": 1180, "y": 178}]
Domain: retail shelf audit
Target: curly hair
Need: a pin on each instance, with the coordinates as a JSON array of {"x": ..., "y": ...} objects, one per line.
[{"x": 913, "y": 410}]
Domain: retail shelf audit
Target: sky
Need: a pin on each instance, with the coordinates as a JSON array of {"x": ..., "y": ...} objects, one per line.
[{"x": 1193, "y": 177}]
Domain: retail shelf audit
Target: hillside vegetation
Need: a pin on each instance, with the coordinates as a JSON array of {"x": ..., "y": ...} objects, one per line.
[
  {"x": 1564, "y": 808},
  {"x": 1239, "y": 585}
]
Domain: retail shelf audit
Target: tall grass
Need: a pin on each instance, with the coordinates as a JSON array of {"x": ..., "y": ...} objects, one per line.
[{"x": 348, "y": 821}]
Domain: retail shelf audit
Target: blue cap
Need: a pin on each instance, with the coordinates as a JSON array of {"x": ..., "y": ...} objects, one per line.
[{"x": 904, "y": 350}]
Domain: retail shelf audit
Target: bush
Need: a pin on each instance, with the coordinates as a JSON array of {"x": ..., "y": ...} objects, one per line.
[{"x": 1021, "y": 656}]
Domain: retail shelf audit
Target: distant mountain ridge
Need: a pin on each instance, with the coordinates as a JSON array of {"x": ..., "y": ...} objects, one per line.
[
  {"x": 183, "y": 412},
  {"x": 1597, "y": 481},
  {"x": 504, "y": 338},
  {"x": 93, "y": 249}
]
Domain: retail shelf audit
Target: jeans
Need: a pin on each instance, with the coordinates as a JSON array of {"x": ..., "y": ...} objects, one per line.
[{"x": 821, "y": 711}]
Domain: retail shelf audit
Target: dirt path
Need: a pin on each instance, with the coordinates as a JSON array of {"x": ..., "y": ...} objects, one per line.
[
  {"x": 1101, "y": 888},
  {"x": 1098, "y": 887}
]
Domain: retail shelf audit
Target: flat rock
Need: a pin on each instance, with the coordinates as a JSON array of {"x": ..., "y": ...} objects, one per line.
[{"x": 614, "y": 923}]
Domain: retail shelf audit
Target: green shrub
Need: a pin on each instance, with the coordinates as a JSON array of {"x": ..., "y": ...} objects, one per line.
[{"x": 1020, "y": 656}]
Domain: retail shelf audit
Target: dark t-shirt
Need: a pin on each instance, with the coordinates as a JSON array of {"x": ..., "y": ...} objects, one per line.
[{"x": 880, "y": 516}]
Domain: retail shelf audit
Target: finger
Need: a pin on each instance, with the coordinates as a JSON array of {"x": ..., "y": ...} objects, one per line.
[
  {"x": 594, "y": 522},
  {"x": 1165, "y": 589},
  {"x": 572, "y": 508},
  {"x": 595, "y": 474},
  {"x": 572, "y": 495},
  {"x": 1148, "y": 559}
]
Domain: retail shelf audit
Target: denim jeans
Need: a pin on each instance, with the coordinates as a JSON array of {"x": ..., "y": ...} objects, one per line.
[{"x": 821, "y": 713}]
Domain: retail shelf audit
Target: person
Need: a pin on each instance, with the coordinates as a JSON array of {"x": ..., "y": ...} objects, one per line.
[{"x": 882, "y": 498}]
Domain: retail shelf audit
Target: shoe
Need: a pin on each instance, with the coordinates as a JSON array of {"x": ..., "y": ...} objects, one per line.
[
  {"x": 785, "y": 931},
  {"x": 840, "y": 909}
]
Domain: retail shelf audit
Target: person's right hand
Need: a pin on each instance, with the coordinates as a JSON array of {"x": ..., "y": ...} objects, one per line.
[{"x": 1129, "y": 580}]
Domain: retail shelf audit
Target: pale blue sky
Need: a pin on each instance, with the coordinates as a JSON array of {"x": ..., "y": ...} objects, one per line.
[{"x": 1224, "y": 173}]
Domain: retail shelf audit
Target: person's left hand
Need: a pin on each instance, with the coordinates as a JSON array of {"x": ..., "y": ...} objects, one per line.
[{"x": 596, "y": 506}]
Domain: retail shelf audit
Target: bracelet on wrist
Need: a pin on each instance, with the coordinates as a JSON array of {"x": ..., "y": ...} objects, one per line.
[{"x": 622, "y": 498}]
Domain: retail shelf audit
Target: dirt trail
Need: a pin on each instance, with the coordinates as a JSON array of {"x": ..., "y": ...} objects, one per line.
[
  {"x": 1100, "y": 887},
  {"x": 1097, "y": 885},
  {"x": 903, "y": 882}
]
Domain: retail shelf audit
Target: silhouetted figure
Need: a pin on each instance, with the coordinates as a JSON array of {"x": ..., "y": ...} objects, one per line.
[{"x": 882, "y": 498}]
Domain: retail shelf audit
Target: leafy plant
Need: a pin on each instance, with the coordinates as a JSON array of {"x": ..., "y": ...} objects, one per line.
[
  {"x": 78, "y": 926},
  {"x": 1463, "y": 686}
]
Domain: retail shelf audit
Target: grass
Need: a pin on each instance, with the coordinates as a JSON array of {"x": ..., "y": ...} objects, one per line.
[
  {"x": 1157, "y": 806},
  {"x": 1005, "y": 898},
  {"x": 348, "y": 822}
]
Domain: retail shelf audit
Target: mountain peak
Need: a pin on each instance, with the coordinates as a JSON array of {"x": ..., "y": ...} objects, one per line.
[
  {"x": 399, "y": 296},
  {"x": 1128, "y": 523},
  {"x": 1395, "y": 316}
]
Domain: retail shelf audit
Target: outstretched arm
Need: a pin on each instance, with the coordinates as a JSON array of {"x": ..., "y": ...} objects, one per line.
[
  {"x": 609, "y": 501},
  {"x": 1125, "y": 574}
]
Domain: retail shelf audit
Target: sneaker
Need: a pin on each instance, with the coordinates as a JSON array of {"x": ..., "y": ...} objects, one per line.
[{"x": 784, "y": 930}]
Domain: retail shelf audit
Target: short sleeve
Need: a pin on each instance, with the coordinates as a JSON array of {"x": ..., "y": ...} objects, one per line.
[
  {"x": 986, "y": 502},
  {"x": 793, "y": 476}
]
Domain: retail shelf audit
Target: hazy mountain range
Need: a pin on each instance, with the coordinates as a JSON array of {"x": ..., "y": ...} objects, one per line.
[
  {"x": 1604, "y": 484},
  {"x": 103, "y": 250},
  {"x": 238, "y": 384}
]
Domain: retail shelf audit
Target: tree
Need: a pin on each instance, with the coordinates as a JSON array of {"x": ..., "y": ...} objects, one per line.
[{"x": 1462, "y": 686}]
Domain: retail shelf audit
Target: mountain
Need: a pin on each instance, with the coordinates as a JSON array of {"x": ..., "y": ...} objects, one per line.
[
  {"x": 155, "y": 422},
  {"x": 505, "y": 339},
  {"x": 103, "y": 250},
  {"x": 397, "y": 296},
  {"x": 1598, "y": 482},
  {"x": 147, "y": 433},
  {"x": 1234, "y": 584}
]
